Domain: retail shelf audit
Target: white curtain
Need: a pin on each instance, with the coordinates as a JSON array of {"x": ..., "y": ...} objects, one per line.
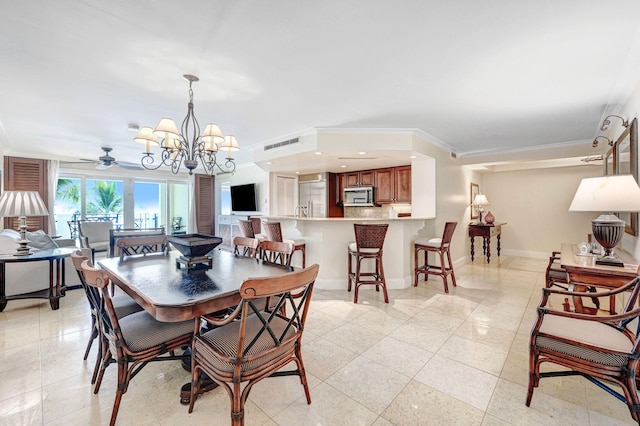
[
  {"x": 192, "y": 226},
  {"x": 54, "y": 171}
]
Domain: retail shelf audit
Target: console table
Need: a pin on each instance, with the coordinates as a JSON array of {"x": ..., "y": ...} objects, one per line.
[
  {"x": 485, "y": 231},
  {"x": 56, "y": 277},
  {"x": 582, "y": 269}
]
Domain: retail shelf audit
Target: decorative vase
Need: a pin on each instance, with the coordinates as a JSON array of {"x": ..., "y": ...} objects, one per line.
[{"x": 489, "y": 218}]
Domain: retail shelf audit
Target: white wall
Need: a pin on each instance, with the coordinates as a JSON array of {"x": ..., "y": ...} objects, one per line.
[{"x": 535, "y": 206}]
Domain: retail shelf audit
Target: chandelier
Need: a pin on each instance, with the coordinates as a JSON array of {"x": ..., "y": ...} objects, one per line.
[{"x": 187, "y": 146}]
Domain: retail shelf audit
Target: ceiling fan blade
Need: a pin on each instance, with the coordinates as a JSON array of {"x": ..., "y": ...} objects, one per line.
[{"x": 130, "y": 166}]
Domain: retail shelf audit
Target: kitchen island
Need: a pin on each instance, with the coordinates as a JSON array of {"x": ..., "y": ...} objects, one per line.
[{"x": 327, "y": 240}]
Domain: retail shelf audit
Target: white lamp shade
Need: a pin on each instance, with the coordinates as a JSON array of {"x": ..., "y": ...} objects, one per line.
[
  {"x": 230, "y": 143},
  {"x": 22, "y": 203},
  {"x": 211, "y": 137},
  {"x": 146, "y": 137},
  {"x": 607, "y": 194},
  {"x": 166, "y": 129},
  {"x": 480, "y": 200}
]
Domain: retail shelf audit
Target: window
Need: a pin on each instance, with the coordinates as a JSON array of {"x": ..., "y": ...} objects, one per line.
[
  {"x": 127, "y": 202},
  {"x": 104, "y": 201},
  {"x": 149, "y": 200}
]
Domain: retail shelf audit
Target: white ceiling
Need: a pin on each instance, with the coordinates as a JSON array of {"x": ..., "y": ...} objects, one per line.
[{"x": 480, "y": 76}]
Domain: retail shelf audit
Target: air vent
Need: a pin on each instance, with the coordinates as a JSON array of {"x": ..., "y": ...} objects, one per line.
[
  {"x": 281, "y": 144},
  {"x": 453, "y": 155},
  {"x": 357, "y": 158}
]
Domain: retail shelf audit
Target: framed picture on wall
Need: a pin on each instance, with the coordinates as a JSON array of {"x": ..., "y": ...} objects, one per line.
[{"x": 475, "y": 190}]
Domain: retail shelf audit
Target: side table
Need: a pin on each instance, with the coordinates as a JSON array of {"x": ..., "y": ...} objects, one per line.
[
  {"x": 485, "y": 231},
  {"x": 56, "y": 277}
]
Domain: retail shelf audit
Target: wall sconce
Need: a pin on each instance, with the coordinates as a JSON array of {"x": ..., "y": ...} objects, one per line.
[
  {"x": 606, "y": 122},
  {"x": 595, "y": 141}
]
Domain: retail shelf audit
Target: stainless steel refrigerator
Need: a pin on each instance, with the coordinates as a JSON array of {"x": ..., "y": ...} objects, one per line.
[{"x": 312, "y": 195}]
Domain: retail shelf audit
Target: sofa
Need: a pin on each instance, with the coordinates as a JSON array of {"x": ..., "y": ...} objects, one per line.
[{"x": 26, "y": 277}]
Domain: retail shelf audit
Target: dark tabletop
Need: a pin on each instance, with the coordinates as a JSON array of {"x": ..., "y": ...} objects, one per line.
[{"x": 170, "y": 293}]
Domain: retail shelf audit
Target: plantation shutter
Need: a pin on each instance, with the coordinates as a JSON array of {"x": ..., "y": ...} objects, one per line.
[
  {"x": 27, "y": 174},
  {"x": 205, "y": 204}
]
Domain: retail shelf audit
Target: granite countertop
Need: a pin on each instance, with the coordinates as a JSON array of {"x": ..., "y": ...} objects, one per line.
[{"x": 346, "y": 219}]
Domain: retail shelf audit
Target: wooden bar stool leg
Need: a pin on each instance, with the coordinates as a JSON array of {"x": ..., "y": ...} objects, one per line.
[
  {"x": 453, "y": 275},
  {"x": 384, "y": 282},
  {"x": 349, "y": 269}
]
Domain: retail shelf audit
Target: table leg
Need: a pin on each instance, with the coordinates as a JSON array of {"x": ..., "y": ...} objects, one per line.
[
  {"x": 54, "y": 292},
  {"x": 498, "y": 238},
  {"x": 488, "y": 241},
  {"x": 472, "y": 248},
  {"x": 3, "y": 296}
]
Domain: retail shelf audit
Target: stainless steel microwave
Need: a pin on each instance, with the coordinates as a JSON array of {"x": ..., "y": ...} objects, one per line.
[{"x": 361, "y": 196}]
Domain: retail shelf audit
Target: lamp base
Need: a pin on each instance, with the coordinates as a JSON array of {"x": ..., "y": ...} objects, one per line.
[{"x": 609, "y": 261}]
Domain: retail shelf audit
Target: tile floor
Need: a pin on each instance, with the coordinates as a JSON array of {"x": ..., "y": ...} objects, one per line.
[{"x": 425, "y": 358}]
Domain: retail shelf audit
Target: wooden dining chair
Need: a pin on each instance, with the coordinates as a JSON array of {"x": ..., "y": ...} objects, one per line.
[
  {"x": 134, "y": 340},
  {"x": 273, "y": 231},
  {"x": 248, "y": 247},
  {"x": 255, "y": 342},
  {"x": 604, "y": 349},
  {"x": 277, "y": 252},
  {"x": 123, "y": 305}
]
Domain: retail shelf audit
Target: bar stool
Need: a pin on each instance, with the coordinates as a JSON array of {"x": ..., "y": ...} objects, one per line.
[
  {"x": 439, "y": 246},
  {"x": 273, "y": 230},
  {"x": 368, "y": 245}
]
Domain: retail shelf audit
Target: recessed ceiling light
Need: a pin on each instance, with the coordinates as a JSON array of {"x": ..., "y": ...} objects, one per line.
[
  {"x": 133, "y": 127},
  {"x": 269, "y": 162},
  {"x": 297, "y": 173},
  {"x": 343, "y": 166},
  {"x": 362, "y": 153},
  {"x": 412, "y": 156},
  {"x": 318, "y": 153}
]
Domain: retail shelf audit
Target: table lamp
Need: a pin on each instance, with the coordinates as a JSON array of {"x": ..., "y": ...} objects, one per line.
[
  {"x": 22, "y": 204},
  {"x": 609, "y": 194},
  {"x": 479, "y": 202}
]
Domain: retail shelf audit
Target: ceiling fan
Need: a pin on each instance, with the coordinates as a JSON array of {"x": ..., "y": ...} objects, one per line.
[{"x": 106, "y": 161}]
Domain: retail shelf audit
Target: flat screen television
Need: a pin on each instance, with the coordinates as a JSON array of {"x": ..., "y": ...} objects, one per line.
[{"x": 243, "y": 198}]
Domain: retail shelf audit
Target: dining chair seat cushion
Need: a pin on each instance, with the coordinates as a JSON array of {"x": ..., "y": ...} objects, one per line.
[
  {"x": 141, "y": 331},
  {"x": 354, "y": 248},
  {"x": 431, "y": 242},
  {"x": 588, "y": 332},
  {"x": 99, "y": 245},
  {"x": 225, "y": 340},
  {"x": 124, "y": 305},
  {"x": 294, "y": 242}
]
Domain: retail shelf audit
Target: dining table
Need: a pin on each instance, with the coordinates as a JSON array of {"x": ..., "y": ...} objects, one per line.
[{"x": 170, "y": 292}]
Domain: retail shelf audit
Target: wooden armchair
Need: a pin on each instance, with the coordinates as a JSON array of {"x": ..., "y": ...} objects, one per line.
[
  {"x": 598, "y": 348},
  {"x": 133, "y": 341},
  {"x": 256, "y": 341},
  {"x": 243, "y": 246},
  {"x": 277, "y": 252}
]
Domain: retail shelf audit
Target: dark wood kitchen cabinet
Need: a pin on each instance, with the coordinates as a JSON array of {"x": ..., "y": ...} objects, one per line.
[
  {"x": 402, "y": 184},
  {"x": 393, "y": 185},
  {"x": 361, "y": 178}
]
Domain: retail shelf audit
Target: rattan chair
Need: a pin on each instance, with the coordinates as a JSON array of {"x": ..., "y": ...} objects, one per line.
[
  {"x": 368, "y": 245},
  {"x": 273, "y": 231},
  {"x": 440, "y": 246},
  {"x": 123, "y": 305},
  {"x": 134, "y": 340},
  {"x": 254, "y": 343},
  {"x": 247, "y": 247},
  {"x": 94, "y": 234},
  {"x": 598, "y": 348}
]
